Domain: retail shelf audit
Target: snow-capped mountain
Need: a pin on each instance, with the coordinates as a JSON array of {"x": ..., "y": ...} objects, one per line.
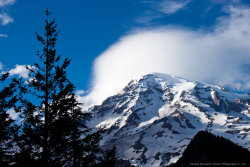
[{"x": 152, "y": 120}]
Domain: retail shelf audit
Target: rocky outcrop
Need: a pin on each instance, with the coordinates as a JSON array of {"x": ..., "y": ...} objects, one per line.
[{"x": 151, "y": 121}]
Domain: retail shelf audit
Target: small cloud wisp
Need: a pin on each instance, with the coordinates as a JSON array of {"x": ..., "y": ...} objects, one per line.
[
  {"x": 171, "y": 6},
  {"x": 4, "y": 3},
  {"x": 5, "y": 19}
]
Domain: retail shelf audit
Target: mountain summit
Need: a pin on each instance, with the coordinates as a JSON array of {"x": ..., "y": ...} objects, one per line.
[{"x": 152, "y": 120}]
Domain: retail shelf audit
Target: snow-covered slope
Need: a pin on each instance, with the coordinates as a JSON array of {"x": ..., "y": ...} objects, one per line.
[{"x": 152, "y": 120}]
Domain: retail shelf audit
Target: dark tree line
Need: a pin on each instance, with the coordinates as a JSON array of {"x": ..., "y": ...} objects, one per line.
[
  {"x": 52, "y": 131},
  {"x": 206, "y": 149}
]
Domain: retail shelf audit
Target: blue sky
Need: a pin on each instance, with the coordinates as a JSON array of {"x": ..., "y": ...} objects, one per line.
[
  {"x": 95, "y": 31},
  {"x": 87, "y": 28}
]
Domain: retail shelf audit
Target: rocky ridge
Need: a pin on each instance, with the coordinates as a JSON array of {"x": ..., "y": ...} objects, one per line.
[{"x": 153, "y": 119}]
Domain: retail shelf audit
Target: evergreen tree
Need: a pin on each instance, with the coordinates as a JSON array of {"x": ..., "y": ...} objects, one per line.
[
  {"x": 50, "y": 86},
  {"x": 82, "y": 143},
  {"x": 28, "y": 141},
  {"x": 109, "y": 158},
  {"x": 53, "y": 130},
  {"x": 206, "y": 147},
  {"x": 7, "y": 102}
]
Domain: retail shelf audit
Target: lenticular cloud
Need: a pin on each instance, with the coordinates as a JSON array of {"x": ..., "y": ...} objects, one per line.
[{"x": 221, "y": 56}]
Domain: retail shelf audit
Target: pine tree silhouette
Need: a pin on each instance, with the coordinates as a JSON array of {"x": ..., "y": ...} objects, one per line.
[
  {"x": 8, "y": 100},
  {"x": 109, "y": 158},
  {"x": 53, "y": 129}
]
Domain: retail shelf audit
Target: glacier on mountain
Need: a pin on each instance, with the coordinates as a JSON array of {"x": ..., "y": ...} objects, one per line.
[{"x": 152, "y": 120}]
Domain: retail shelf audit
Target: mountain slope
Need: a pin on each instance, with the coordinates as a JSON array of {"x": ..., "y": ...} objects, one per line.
[
  {"x": 152, "y": 120},
  {"x": 208, "y": 149}
]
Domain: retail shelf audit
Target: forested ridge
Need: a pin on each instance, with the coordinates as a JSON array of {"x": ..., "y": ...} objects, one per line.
[{"x": 206, "y": 149}]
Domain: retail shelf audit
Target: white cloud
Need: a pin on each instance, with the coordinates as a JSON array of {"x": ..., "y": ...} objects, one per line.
[
  {"x": 19, "y": 70},
  {"x": 225, "y": 1},
  {"x": 6, "y": 2},
  {"x": 159, "y": 9},
  {"x": 5, "y": 19},
  {"x": 1, "y": 66},
  {"x": 171, "y": 6},
  {"x": 3, "y": 36},
  {"x": 80, "y": 92},
  {"x": 211, "y": 57},
  {"x": 14, "y": 115}
]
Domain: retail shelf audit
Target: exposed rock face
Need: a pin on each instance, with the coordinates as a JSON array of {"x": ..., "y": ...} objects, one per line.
[
  {"x": 215, "y": 98},
  {"x": 151, "y": 121}
]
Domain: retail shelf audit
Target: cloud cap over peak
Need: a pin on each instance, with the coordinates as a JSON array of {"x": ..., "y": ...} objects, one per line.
[{"x": 217, "y": 57}]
